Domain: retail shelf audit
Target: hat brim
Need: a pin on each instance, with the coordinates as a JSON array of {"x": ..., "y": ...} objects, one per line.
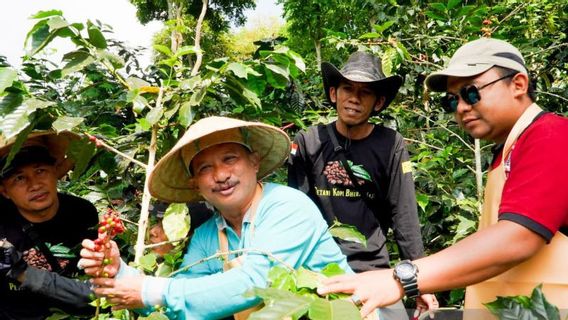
[
  {"x": 170, "y": 179},
  {"x": 387, "y": 87},
  {"x": 438, "y": 81},
  {"x": 56, "y": 143}
]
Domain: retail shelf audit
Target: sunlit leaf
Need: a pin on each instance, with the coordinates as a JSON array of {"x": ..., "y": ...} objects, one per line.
[
  {"x": 7, "y": 77},
  {"x": 148, "y": 261},
  {"x": 18, "y": 119},
  {"x": 238, "y": 69},
  {"x": 348, "y": 233},
  {"x": 155, "y": 115},
  {"x": 307, "y": 279},
  {"x": 176, "y": 221},
  {"x": 64, "y": 123},
  {"x": 185, "y": 115},
  {"x": 322, "y": 309},
  {"x": 163, "y": 49},
  {"x": 76, "y": 62},
  {"x": 282, "y": 304}
]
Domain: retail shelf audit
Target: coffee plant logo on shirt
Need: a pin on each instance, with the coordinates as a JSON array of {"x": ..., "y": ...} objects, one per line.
[{"x": 336, "y": 174}]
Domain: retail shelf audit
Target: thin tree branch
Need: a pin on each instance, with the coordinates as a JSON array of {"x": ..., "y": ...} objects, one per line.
[
  {"x": 225, "y": 253},
  {"x": 424, "y": 143},
  {"x": 154, "y": 245}
]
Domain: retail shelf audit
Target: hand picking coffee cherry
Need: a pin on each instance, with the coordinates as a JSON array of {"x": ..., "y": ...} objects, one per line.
[{"x": 109, "y": 226}]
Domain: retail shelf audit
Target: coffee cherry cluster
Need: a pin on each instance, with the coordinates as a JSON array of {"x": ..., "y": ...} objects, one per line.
[
  {"x": 35, "y": 258},
  {"x": 336, "y": 174},
  {"x": 98, "y": 143},
  {"x": 109, "y": 226}
]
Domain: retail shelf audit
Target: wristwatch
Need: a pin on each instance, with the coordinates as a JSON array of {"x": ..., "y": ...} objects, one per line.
[{"x": 406, "y": 273}]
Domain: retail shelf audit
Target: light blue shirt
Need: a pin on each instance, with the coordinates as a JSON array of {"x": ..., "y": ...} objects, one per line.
[{"x": 287, "y": 224}]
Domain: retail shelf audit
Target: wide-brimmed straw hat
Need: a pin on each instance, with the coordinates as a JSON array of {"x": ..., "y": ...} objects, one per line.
[
  {"x": 56, "y": 145},
  {"x": 362, "y": 67},
  {"x": 475, "y": 58},
  {"x": 170, "y": 179}
]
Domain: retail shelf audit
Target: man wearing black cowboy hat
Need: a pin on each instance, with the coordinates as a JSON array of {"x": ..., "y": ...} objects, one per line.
[
  {"x": 34, "y": 216},
  {"x": 376, "y": 192}
]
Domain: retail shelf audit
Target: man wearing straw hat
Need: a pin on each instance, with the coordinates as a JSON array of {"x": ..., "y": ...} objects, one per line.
[
  {"x": 34, "y": 216},
  {"x": 522, "y": 239},
  {"x": 222, "y": 160},
  {"x": 359, "y": 173}
]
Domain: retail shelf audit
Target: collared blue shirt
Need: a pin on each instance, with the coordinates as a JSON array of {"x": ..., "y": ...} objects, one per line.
[{"x": 287, "y": 224}]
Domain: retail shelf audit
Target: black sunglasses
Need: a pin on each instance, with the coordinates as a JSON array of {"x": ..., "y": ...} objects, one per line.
[{"x": 469, "y": 94}]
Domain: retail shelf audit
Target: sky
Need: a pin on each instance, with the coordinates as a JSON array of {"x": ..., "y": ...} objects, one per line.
[{"x": 120, "y": 14}]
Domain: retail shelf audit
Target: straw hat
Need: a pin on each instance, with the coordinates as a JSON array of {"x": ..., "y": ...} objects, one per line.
[
  {"x": 362, "y": 67},
  {"x": 56, "y": 144},
  {"x": 170, "y": 179}
]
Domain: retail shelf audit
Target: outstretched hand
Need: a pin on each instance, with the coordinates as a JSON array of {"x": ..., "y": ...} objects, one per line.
[
  {"x": 374, "y": 289},
  {"x": 104, "y": 262}
]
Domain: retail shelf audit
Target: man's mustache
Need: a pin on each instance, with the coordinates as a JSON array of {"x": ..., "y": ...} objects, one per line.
[{"x": 225, "y": 185}]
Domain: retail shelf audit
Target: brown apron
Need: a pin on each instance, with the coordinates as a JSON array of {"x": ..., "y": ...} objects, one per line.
[
  {"x": 549, "y": 266},
  {"x": 237, "y": 262}
]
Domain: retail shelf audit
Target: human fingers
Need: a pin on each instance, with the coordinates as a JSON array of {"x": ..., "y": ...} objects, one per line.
[
  {"x": 368, "y": 306},
  {"x": 103, "y": 283},
  {"x": 343, "y": 283}
]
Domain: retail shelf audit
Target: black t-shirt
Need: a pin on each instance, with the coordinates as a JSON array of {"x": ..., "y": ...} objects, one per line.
[
  {"x": 379, "y": 159},
  {"x": 76, "y": 220}
]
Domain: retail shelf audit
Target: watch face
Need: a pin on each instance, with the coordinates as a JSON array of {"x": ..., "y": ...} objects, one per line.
[{"x": 405, "y": 271}]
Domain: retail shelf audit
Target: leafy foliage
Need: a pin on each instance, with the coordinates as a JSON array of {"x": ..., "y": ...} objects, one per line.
[
  {"x": 523, "y": 307},
  {"x": 293, "y": 295}
]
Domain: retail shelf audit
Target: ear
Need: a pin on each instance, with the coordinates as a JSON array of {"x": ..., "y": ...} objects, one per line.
[
  {"x": 193, "y": 183},
  {"x": 333, "y": 94},
  {"x": 380, "y": 103},
  {"x": 520, "y": 85},
  {"x": 3, "y": 191},
  {"x": 255, "y": 160}
]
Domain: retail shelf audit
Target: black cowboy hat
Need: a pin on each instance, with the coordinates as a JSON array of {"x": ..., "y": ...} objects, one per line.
[{"x": 362, "y": 67}]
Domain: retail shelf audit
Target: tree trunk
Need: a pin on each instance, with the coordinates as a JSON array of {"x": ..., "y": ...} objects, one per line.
[
  {"x": 318, "y": 53},
  {"x": 174, "y": 13},
  {"x": 144, "y": 211},
  {"x": 199, "y": 53}
]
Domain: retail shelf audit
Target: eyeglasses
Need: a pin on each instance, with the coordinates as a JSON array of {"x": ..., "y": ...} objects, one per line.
[{"x": 469, "y": 94}]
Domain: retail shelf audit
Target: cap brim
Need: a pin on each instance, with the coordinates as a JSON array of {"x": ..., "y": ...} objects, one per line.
[
  {"x": 438, "y": 81},
  {"x": 388, "y": 86}
]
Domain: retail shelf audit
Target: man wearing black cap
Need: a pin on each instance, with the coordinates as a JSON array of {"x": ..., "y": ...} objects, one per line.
[
  {"x": 523, "y": 229},
  {"x": 35, "y": 217},
  {"x": 357, "y": 172}
]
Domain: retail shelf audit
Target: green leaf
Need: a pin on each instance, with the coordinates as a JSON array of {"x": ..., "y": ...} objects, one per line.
[
  {"x": 163, "y": 49},
  {"x": 279, "y": 304},
  {"x": 251, "y": 97},
  {"x": 154, "y": 316},
  {"x": 359, "y": 171},
  {"x": 77, "y": 61},
  {"x": 370, "y": 35},
  {"x": 45, "y": 14},
  {"x": 422, "y": 200},
  {"x": 381, "y": 28},
  {"x": 148, "y": 261},
  {"x": 7, "y": 77},
  {"x": 197, "y": 96},
  {"x": 18, "y": 119},
  {"x": 438, "y": 6},
  {"x": 116, "y": 61},
  {"x": 139, "y": 103},
  {"x": 332, "y": 269},
  {"x": 277, "y": 76},
  {"x": 9, "y": 102},
  {"x": 163, "y": 270},
  {"x": 307, "y": 279},
  {"x": 388, "y": 61},
  {"x": 154, "y": 115},
  {"x": 176, "y": 221},
  {"x": 185, "y": 115},
  {"x": 239, "y": 69},
  {"x": 56, "y": 23},
  {"x": 322, "y": 309},
  {"x": 453, "y": 3},
  {"x": 81, "y": 153},
  {"x": 64, "y": 123},
  {"x": 96, "y": 37},
  {"x": 185, "y": 50},
  {"x": 348, "y": 233},
  {"x": 281, "y": 278}
]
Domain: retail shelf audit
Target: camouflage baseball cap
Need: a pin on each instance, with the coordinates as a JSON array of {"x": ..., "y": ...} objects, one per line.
[{"x": 476, "y": 57}]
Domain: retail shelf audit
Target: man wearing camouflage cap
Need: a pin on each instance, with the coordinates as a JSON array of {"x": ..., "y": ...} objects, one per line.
[{"x": 522, "y": 239}]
